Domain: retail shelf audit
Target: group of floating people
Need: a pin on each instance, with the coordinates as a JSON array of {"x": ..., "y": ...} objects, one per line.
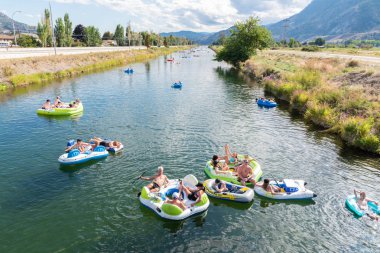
[
  {"x": 229, "y": 180},
  {"x": 97, "y": 148},
  {"x": 266, "y": 102},
  {"x": 60, "y": 108},
  {"x": 59, "y": 104}
]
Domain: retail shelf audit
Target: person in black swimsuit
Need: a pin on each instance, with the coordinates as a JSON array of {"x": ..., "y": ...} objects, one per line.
[{"x": 192, "y": 194}]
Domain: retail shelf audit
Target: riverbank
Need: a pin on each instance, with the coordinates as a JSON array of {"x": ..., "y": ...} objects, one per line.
[
  {"x": 28, "y": 71},
  {"x": 341, "y": 96}
]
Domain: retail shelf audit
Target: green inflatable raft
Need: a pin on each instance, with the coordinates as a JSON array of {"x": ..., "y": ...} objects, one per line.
[
  {"x": 61, "y": 111},
  {"x": 231, "y": 177}
]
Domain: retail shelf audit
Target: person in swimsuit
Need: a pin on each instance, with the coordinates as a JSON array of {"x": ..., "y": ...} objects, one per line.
[
  {"x": 229, "y": 157},
  {"x": 159, "y": 180},
  {"x": 268, "y": 187},
  {"x": 219, "y": 166},
  {"x": 245, "y": 173},
  {"x": 176, "y": 201},
  {"x": 362, "y": 202},
  {"x": 46, "y": 105},
  {"x": 192, "y": 194},
  {"x": 80, "y": 145},
  {"x": 57, "y": 101},
  {"x": 108, "y": 144},
  {"x": 219, "y": 186}
]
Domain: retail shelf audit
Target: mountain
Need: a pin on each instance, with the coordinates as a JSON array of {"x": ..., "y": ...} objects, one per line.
[
  {"x": 6, "y": 25},
  {"x": 203, "y": 38},
  {"x": 334, "y": 20}
]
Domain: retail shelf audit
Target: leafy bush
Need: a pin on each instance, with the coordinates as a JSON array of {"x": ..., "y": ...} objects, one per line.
[
  {"x": 245, "y": 39},
  {"x": 353, "y": 64},
  {"x": 307, "y": 79},
  {"x": 286, "y": 90},
  {"x": 332, "y": 97},
  {"x": 321, "y": 114},
  {"x": 358, "y": 131},
  {"x": 311, "y": 49},
  {"x": 299, "y": 99}
]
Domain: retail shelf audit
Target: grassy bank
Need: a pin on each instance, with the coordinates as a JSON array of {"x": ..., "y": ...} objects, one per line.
[
  {"x": 340, "y": 96},
  {"x": 23, "y": 72}
]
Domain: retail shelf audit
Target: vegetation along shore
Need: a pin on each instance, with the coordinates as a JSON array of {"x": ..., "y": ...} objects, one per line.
[
  {"x": 27, "y": 71},
  {"x": 342, "y": 96}
]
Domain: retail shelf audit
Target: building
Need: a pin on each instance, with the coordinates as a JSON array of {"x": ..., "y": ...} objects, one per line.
[{"x": 6, "y": 40}]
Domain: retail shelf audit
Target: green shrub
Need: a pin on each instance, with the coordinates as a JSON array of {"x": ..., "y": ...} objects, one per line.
[
  {"x": 286, "y": 90},
  {"x": 299, "y": 99},
  {"x": 3, "y": 87},
  {"x": 353, "y": 64},
  {"x": 307, "y": 79},
  {"x": 311, "y": 49},
  {"x": 331, "y": 97},
  {"x": 321, "y": 114},
  {"x": 359, "y": 132}
]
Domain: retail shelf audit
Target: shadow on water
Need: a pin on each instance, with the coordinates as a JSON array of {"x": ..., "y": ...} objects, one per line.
[
  {"x": 174, "y": 226},
  {"x": 231, "y": 204},
  {"x": 266, "y": 202},
  {"x": 75, "y": 167},
  {"x": 75, "y": 117}
]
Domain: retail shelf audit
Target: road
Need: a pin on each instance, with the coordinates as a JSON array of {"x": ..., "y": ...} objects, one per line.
[
  {"x": 369, "y": 59},
  {"x": 13, "y": 53}
]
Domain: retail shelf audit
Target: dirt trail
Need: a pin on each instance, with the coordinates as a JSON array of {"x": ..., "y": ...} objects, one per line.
[{"x": 368, "y": 59}]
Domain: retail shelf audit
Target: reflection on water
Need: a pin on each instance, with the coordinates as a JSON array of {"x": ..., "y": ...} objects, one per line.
[{"x": 75, "y": 117}]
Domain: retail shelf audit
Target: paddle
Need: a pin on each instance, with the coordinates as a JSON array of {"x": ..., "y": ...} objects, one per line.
[
  {"x": 142, "y": 174},
  {"x": 139, "y": 177}
]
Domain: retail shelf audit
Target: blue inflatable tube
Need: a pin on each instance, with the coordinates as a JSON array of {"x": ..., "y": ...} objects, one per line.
[
  {"x": 266, "y": 103},
  {"x": 177, "y": 85}
]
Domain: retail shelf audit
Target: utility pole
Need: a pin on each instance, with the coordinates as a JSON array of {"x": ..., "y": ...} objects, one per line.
[
  {"x": 285, "y": 27},
  {"x": 13, "y": 23},
  {"x": 52, "y": 29}
]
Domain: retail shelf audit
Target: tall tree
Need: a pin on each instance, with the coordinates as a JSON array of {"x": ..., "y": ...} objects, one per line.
[
  {"x": 244, "y": 41},
  {"x": 319, "y": 42},
  {"x": 60, "y": 33},
  {"x": 166, "y": 42},
  {"x": 119, "y": 35},
  {"x": 68, "y": 30},
  {"x": 79, "y": 32},
  {"x": 129, "y": 33},
  {"x": 44, "y": 31},
  {"x": 107, "y": 36},
  {"x": 148, "y": 40},
  {"x": 92, "y": 36}
]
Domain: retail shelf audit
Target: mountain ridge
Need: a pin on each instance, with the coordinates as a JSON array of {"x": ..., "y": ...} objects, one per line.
[
  {"x": 6, "y": 25},
  {"x": 334, "y": 20}
]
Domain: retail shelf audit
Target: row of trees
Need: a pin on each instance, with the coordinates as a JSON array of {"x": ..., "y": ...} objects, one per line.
[
  {"x": 65, "y": 36},
  {"x": 132, "y": 38}
]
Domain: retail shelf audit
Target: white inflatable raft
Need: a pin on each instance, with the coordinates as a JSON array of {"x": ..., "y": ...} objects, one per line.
[
  {"x": 290, "y": 190},
  {"x": 156, "y": 201},
  {"x": 76, "y": 157}
]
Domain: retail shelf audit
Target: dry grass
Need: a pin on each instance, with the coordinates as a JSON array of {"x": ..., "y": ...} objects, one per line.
[{"x": 26, "y": 71}]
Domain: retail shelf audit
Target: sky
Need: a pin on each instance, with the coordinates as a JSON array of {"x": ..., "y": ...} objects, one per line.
[{"x": 156, "y": 15}]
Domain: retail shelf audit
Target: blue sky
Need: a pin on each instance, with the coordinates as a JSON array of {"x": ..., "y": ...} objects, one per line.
[{"x": 156, "y": 15}]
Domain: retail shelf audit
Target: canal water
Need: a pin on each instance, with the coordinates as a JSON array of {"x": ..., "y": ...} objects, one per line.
[{"x": 94, "y": 208}]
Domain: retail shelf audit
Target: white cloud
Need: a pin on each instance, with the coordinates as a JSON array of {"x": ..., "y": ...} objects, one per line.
[{"x": 198, "y": 15}]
